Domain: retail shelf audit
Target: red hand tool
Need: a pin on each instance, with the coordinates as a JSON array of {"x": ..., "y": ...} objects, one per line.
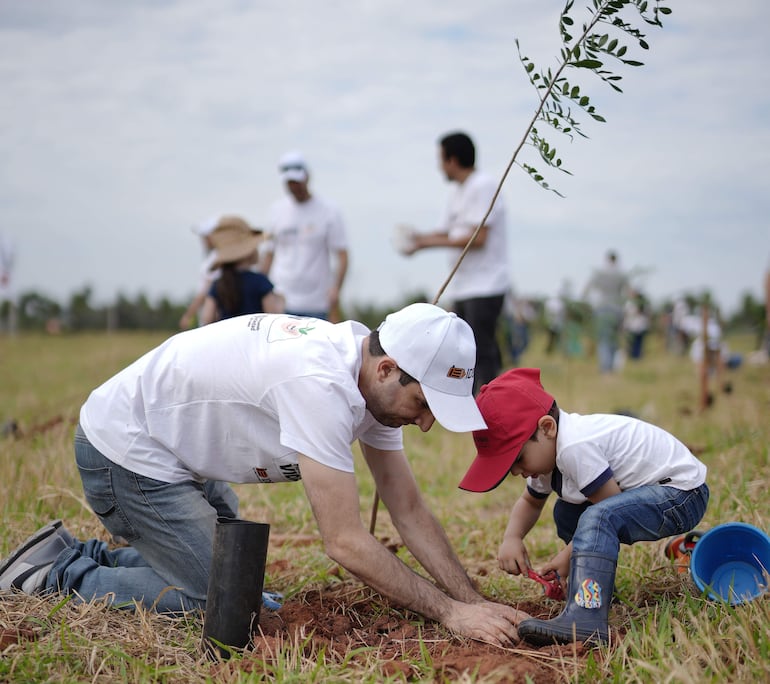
[{"x": 550, "y": 582}]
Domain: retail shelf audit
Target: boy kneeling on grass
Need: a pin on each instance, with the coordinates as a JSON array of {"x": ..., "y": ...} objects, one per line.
[{"x": 618, "y": 479}]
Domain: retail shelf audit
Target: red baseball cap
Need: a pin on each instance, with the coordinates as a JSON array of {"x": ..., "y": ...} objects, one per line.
[{"x": 511, "y": 406}]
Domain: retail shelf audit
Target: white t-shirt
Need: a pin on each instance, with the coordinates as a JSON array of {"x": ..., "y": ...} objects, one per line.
[
  {"x": 483, "y": 272},
  {"x": 303, "y": 237},
  {"x": 237, "y": 400},
  {"x": 591, "y": 449},
  {"x": 607, "y": 287},
  {"x": 6, "y": 269}
]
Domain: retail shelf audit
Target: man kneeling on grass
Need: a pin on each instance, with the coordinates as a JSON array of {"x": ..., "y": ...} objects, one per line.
[
  {"x": 618, "y": 479},
  {"x": 268, "y": 398}
]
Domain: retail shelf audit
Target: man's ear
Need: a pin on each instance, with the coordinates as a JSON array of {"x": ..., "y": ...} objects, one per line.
[
  {"x": 548, "y": 425},
  {"x": 385, "y": 366}
]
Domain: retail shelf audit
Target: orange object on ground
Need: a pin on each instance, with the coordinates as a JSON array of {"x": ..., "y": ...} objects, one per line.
[{"x": 679, "y": 549}]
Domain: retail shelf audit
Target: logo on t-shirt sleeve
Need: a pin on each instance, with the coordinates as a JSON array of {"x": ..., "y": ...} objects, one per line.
[{"x": 288, "y": 472}]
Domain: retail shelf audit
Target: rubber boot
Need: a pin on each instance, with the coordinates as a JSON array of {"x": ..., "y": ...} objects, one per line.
[
  {"x": 236, "y": 580},
  {"x": 584, "y": 618}
]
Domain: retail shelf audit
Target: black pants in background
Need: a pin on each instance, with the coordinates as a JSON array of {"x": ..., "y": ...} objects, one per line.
[{"x": 481, "y": 314}]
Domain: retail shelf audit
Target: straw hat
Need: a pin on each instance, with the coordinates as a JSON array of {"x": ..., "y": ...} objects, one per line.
[{"x": 233, "y": 239}]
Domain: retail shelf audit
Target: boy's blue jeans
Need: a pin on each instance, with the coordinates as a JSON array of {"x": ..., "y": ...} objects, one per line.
[
  {"x": 643, "y": 514},
  {"x": 170, "y": 529}
]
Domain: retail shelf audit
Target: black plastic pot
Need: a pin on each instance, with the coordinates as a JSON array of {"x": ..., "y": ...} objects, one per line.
[{"x": 236, "y": 580}]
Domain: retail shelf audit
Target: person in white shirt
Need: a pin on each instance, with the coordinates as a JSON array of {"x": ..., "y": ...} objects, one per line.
[
  {"x": 608, "y": 287},
  {"x": 479, "y": 285},
  {"x": 305, "y": 253},
  {"x": 7, "y": 292},
  {"x": 267, "y": 398},
  {"x": 618, "y": 480}
]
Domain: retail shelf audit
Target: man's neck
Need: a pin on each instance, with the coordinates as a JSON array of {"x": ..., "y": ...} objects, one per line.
[{"x": 461, "y": 174}]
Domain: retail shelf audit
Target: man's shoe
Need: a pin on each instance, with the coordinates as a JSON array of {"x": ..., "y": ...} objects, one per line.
[
  {"x": 65, "y": 534},
  {"x": 27, "y": 568}
]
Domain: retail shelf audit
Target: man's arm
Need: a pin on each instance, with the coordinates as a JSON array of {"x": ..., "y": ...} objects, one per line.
[
  {"x": 333, "y": 496},
  {"x": 418, "y": 527},
  {"x": 339, "y": 278},
  {"x": 442, "y": 239}
]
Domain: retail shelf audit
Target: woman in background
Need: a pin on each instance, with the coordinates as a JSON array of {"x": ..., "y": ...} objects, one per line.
[{"x": 239, "y": 289}]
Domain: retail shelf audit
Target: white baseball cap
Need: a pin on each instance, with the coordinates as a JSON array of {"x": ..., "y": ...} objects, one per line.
[
  {"x": 439, "y": 351},
  {"x": 293, "y": 167}
]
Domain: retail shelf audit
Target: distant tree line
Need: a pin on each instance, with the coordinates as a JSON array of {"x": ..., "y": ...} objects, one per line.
[{"x": 38, "y": 312}]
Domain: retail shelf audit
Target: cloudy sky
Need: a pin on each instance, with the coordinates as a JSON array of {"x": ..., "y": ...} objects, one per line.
[{"x": 124, "y": 123}]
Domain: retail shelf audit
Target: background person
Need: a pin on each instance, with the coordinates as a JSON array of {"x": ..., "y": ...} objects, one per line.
[
  {"x": 636, "y": 323},
  {"x": 7, "y": 293},
  {"x": 618, "y": 480},
  {"x": 260, "y": 399},
  {"x": 607, "y": 287},
  {"x": 554, "y": 316},
  {"x": 766, "y": 344},
  {"x": 239, "y": 289},
  {"x": 478, "y": 287},
  {"x": 207, "y": 274},
  {"x": 306, "y": 250}
]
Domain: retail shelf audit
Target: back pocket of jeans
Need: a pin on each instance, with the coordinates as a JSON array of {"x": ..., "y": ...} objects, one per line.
[{"x": 97, "y": 486}]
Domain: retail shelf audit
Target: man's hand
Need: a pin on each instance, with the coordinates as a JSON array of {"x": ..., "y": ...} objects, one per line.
[{"x": 492, "y": 623}]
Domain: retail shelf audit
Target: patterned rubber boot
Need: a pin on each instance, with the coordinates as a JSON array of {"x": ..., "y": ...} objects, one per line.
[{"x": 584, "y": 618}]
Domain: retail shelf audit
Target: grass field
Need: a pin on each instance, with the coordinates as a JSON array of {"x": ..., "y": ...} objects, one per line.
[{"x": 663, "y": 631}]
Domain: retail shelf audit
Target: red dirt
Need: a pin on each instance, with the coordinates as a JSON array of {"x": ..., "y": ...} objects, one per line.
[{"x": 339, "y": 620}]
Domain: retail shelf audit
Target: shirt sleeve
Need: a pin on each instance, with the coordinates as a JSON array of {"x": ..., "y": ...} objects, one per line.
[
  {"x": 586, "y": 465},
  {"x": 325, "y": 436},
  {"x": 338, "y": 238}
]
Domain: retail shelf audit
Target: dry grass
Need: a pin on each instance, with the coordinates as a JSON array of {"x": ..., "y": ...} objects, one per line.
[{"x": 665, "y": 631}]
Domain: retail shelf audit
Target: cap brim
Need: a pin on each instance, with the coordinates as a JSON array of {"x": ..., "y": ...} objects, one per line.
[
  {"x": 487, "y": 472},
  {"x": 296, "y": 175},
  {"x": 454, "y": 412}
]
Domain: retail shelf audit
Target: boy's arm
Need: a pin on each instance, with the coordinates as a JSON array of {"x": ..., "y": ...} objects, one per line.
[
  {"x": 608, "y": 489},
  {"x": 513, "y": 556},
  {"x": 560, "y": 562}
]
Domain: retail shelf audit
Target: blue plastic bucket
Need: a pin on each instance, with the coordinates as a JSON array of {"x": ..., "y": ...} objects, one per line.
[{"x": 731, "y": 562}]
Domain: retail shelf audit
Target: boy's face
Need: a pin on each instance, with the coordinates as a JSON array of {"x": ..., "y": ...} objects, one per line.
[{"x": 538, "y": 457}]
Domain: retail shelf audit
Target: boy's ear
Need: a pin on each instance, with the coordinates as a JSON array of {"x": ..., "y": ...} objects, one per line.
[{"x": 548, "y": 425}]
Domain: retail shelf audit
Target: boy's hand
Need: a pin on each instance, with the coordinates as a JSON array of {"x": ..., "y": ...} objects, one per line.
[
  {"x": 513, "y": 557},
  {"x": 559, "y": 564}
]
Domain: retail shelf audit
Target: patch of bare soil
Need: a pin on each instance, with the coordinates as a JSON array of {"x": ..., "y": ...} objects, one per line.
[{"x": 339, "y": 620}]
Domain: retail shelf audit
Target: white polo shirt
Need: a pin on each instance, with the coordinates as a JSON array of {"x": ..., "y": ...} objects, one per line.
[{"x": 591, "y": 449}]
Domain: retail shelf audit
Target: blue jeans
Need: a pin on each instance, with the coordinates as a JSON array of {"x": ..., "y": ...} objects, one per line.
[
  {"x": 642, "y": 514},
  {"x": 608, "y": 323},
  {"x": 170, "y": 529},
  {"x": 481, "y": 314}
]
